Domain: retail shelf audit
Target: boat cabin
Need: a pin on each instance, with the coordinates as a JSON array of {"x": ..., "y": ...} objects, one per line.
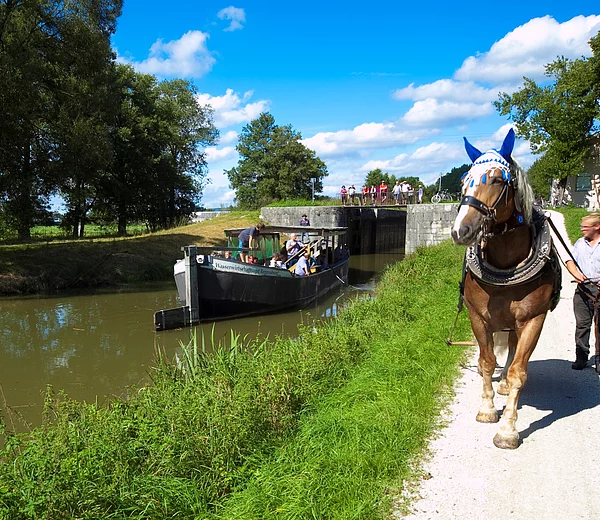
[{"x": 272, "y": 240}]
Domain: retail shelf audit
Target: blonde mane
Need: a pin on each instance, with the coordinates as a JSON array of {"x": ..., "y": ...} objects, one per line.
[{"x": 523, "y": 191}]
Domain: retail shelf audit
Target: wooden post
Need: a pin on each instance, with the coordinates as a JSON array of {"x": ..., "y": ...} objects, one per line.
[{"x": 191, "y": 283}]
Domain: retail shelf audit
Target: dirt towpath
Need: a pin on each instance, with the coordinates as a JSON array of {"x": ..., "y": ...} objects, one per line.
[{"x": 555, "y": 472}]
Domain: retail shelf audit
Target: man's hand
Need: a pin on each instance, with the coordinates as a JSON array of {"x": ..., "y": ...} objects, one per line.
[{"x": 575, "y": 273}]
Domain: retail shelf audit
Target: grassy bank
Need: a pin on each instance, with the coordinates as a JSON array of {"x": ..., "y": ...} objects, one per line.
[
  {"x": 319, "y": 427},
  {"x": 573, "y": 218},
  {"x": 54, "y": 266}
]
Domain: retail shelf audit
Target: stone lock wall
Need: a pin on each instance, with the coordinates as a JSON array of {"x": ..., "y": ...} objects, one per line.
[
  {"x": 428, "y": 224},
  {"x": 370, "y": 230},
  {"x": 376, "y": 230}
]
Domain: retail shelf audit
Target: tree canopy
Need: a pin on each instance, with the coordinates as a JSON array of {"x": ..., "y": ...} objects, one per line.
[
  {"x": 114, "y": 144},
  {"x": 274, "y": 165},
  {"x": 560, "y": 118},
  {"x": 374, "y": 178},
  {"x": 53, "y": 63}
]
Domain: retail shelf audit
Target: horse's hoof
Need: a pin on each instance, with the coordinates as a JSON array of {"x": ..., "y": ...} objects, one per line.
[
  {"x": 503, "y": 387},
  {"x": 506, "y": 442},
  {"x": 487, "y": 417}
]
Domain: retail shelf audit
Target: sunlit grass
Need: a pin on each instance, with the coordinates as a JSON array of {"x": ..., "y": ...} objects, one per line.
[{"x": 573, "y": 218}]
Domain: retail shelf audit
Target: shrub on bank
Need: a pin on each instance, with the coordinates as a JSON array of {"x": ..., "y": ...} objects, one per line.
[{"x": 322, "y": 425}]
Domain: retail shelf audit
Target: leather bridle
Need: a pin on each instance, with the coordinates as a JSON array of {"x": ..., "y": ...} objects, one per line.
[{"x": 489, "y": 212}]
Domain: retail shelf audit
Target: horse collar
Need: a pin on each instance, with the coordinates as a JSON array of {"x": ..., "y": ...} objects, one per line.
[{"x": 541, "y": 251}]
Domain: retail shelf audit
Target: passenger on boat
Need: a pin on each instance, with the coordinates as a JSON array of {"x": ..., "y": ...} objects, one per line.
[
  {"x": 227, "y": 255},
  {"x": 302, "y": 267},
  {"x": 292, "y": 246},
  {"x": 248, "y": 238}
]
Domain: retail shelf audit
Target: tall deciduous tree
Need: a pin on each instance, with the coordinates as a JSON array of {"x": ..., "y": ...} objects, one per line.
[
  {"x": 48, "y": 50},
  {"x": 159, "y": 163},
  {"x": 183, "y": 130},
  {"x": 274, "y": 164},
  {"x": 374, "y": 178},
  {"x": 559, "y": 119}
]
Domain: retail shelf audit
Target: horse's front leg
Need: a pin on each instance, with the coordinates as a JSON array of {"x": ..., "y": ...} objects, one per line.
[
  {"x": 487, "y": 364},
  {"x": 508, "y": 436},
  {"x": 512, "y": 347}
]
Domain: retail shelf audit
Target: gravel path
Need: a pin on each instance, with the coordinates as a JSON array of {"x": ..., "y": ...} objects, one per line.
[{"x": 555, "y": 472}]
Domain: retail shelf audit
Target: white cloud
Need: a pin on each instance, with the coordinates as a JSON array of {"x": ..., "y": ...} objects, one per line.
[
  {"x": 214, "y": 154},
  {"x": 365, "y": 136},
  {"x": 451, "y": 90},
  {"x": 403, "y": 147},
  {"x": 228, "y": 137},
  {"x": 386, "y": 165},
  {"x": 522, "y": 52},
  {"x": 424, "y": 162},
  {"x": 235, "y": 14},
  {"x": 217, "y": 196},
  {"x": 186, "y": 57},
  {"x": 231, "y": 109},
  {"x": 433, "y": 112},
  {"x": 526, "y": 50}
]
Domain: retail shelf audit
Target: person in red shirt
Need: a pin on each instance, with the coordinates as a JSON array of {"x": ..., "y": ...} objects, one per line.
[
  {"x": 383, "y": 191},
  {"x": 365, "y": 194}
]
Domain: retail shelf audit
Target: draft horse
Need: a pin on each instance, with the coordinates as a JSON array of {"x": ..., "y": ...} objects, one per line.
[{"x": 511, "y": 277}]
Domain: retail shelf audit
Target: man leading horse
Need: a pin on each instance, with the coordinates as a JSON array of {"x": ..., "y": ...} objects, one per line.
[{"x": 585, "y": 268}]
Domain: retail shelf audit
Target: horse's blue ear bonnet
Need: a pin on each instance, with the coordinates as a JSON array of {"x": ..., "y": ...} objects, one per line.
[
  {"x": 482, "y": 162},
  {"x": 506, "y": 150}
]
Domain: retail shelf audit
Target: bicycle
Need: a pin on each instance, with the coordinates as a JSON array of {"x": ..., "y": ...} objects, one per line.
[{"x": 441, "y": 196}]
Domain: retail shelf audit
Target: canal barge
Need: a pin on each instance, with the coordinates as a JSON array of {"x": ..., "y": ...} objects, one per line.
[{"x": 213, "y": 287}]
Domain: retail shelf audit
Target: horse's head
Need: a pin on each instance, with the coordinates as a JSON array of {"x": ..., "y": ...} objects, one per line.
[{"x": 494, "y": 191}]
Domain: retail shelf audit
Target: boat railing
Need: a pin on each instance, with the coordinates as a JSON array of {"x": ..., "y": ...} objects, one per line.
[{"x": 301, "y": 251}]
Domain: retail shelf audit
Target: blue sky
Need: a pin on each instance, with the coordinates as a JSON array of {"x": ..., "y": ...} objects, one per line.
[{"x": 368, "y": 85}]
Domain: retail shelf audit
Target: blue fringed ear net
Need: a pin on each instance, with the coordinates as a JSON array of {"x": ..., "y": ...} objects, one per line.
[{"x": 479, "y": 171}]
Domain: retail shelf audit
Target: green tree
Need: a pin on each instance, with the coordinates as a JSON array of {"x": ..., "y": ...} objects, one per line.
[
  {"x": 47, "y": 51},
  {"x": 539, "y": 180},
  {"x": 560, "y": 118},
  {"x": 183, "y": 130},
  {"x": 374, "y": 178},
  {"x": 86, "y": 108},
  {"x": 134, "y": 146},
  {"x": 159, "y": 165},
  {"x": 274, "y": 164}
]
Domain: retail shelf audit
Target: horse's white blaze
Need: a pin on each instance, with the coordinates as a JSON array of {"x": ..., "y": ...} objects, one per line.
[
  {"x": 488, "y": 165},
  {"x": 462, "y": 213}
]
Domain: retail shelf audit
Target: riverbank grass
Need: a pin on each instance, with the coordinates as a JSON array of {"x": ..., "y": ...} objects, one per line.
[
  {"x": 351, "y": 456},
  {"x": 323, "y": 426}
]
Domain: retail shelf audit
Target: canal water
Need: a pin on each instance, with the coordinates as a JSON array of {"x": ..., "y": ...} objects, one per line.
[{"x": 96, "y": 345}]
